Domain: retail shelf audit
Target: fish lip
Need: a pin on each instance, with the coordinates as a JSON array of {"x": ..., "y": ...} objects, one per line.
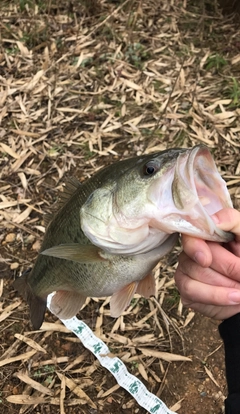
[
  {"x": 177, "y": 196},
  {"x": 201, "y": 175}
]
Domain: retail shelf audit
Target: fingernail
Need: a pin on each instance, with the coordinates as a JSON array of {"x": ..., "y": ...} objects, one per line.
[
  {"x": 234, "y": 296},
  {"x": 215, "y": 219},
  {"x": 200, "y": 258}
]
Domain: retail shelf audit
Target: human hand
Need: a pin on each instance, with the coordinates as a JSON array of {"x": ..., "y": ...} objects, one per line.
[{"x": 208, "y": 273}]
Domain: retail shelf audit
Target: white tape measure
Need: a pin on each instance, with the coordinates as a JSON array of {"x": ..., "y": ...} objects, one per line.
[{"x": 126, "y": 380}]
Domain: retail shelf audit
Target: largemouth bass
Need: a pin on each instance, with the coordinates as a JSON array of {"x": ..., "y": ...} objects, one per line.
[{"x": 110, "y": 232}]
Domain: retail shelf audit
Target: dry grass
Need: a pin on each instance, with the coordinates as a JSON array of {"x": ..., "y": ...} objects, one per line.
[{"x": 83, "y": 83}]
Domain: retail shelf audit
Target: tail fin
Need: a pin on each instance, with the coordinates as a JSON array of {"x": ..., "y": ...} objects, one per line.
[{"x": 36, "y": 304}]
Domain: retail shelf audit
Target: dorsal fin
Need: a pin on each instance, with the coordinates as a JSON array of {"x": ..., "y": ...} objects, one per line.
[
  {"x": 47, "y": 218},
  {"x": 71, "y": 185}
]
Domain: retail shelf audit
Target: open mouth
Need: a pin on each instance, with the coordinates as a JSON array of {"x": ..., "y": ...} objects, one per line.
[
  {"x": 211, "y": 188},
  {"x": 199, "y": 191}
]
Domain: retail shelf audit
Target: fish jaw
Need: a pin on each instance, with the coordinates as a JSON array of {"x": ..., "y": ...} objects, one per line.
[
  {"x": 136, "y": 213},
  {"x": 190, "y": 193}
]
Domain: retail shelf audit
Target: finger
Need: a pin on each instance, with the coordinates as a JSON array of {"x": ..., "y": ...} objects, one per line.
[
  {"x": 216, "y": 312},
  {"x": 228, "y": 219},
  {"x": 189, "y": 272},
  {"x": 192, "y": 291},
  {"x": 198, "y": 250},
  {"x": 225, "y": 262}
]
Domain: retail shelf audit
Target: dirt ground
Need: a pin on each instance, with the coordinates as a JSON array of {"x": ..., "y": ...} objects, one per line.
[
  {"x": 84, "y": 84},
  {"x": 201, "y": 383}
]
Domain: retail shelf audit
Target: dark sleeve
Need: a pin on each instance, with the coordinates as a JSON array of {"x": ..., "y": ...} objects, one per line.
[{"x": 230, "y": 333}]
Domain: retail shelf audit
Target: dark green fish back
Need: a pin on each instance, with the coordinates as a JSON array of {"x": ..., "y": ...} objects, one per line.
[
  {"x": 56, "y": 274},
  {"x": 64, "y": 225}
]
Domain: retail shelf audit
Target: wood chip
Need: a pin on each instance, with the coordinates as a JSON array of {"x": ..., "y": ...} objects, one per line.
[
  {"x": 166, "y": 356},
  {"x": 76, "y": 389},
  {"x": 27, "y": 399},
  {"x": 9, "y": 310},
  {"x": 30, "y": 342},
  {"x": 22, "y": 357},
  {"x": 34, "y": 384}
]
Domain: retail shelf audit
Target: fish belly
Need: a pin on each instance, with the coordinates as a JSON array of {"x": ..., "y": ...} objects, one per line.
[{"x": 90, "y": 279}]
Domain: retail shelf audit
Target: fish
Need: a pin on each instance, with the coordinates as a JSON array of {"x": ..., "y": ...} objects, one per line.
[{"x": 110, "y": 231}]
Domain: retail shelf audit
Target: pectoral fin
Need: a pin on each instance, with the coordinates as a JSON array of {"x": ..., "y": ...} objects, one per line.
[
  {"x": 75, "y": 252},
  {"x": 66, "y": 304},
  {"x": 121, "y": 299},
  {"x": 147, "y": 286}
]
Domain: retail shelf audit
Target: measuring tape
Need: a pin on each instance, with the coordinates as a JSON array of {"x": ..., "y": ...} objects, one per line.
[{"x": 117, "y": 368}]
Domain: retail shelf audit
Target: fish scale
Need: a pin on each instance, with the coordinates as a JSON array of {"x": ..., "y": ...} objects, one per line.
[{"x": 110, "y": 232}]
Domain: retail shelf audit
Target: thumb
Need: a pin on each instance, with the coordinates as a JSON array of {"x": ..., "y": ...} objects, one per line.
[{"x": 228, "y": 219}]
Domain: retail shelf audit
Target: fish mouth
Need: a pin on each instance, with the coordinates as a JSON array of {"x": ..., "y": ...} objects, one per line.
[{"x": 197, "y": 192}]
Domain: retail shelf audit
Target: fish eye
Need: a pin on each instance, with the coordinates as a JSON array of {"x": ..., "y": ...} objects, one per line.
[{"x": 150, "y": 168}]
